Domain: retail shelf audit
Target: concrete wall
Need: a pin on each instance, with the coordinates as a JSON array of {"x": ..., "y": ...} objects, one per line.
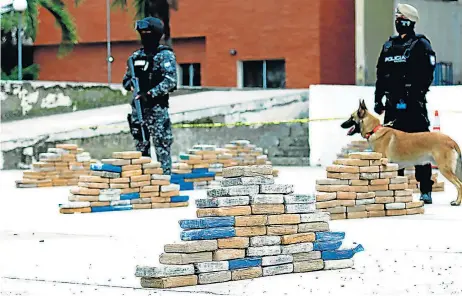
[
  {"x": 103, "y": 130},
  {"x": 21, "y": 100},
  {"x": 334, "y": 101},
  {"x": 378, "y": 26},
  {"x": 374, "y": 24},
  {"x": 285, "y": 144}
]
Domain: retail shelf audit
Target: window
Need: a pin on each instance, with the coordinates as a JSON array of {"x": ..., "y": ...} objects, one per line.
[
  {"x": 264, "y": 74},
  {"x": 190, "y": 74}
]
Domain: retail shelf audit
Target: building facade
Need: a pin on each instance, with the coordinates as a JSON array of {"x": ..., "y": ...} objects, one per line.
[{"x": 220, "y": 43}]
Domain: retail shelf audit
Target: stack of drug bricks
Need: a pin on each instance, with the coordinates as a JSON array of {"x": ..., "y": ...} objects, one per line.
[
  {"x": 199, "y": 167},
  {"x": 365, "y": 185},
  {"x": 127, "y": 181},
  {"x": 245, "y": 153},
  {"x": 249, "y": 228},
  {"x": 59, "y": 166},
  {"x": 414, "y": 185},
  {"x": 354, "y": 146},
  {"x": 363, "y": 146}
]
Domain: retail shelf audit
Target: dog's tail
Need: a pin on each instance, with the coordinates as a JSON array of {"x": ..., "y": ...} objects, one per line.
[{"x": 459, "y": 164}]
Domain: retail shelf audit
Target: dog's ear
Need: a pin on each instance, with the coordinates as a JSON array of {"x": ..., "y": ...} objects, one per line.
[
  {"x": 362, "y": 104},
  {"x": 362, "y": 109}
]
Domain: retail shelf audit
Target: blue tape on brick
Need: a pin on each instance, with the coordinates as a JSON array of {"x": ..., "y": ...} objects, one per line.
[
  {"x": 341, "y": 254},
  {"x": 207, "y": 222},
  {"x": 329, "y": 236},
  {"x": 325, "y": 246},
  {"x": 201, "y": 175},
  {"x": 127, "y": 196},
  {"x": 177, "y": 176},
  {"x": 184, "y": 156},
  {"x": 112, "y": 208},
  {"x": 200, "y": 171},
  {"x": 105, "y": 167},
  {"x": 186, "y": 185},
  {"x": 179, "y": 198},
  {"x": 209, "y": 233},
  {"x": 244, "y": 263}
]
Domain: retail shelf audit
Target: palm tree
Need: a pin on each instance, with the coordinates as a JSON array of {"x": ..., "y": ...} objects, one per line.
[
  {"x": 57, "y": 9},
  {"x": 30, "y": 22}
]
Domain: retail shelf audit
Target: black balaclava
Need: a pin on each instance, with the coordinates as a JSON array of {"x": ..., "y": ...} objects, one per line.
[
  {"x": 151, "y": 40},
  {"x": 404, "y": 26}
]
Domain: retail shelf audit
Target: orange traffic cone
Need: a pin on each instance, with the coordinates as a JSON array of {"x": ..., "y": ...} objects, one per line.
[
  {"x": 436, "y": 128},
  {"x": 436, "y": 124}
]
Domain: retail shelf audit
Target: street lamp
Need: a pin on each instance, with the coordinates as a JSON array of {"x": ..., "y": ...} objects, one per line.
[
  {"x": 109, "y": 57},
  {"x": 19, "y": 6}
]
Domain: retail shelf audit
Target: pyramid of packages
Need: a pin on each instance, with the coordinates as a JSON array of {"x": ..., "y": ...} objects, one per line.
[
  {"x": 245, "y": 153},
  {"x": 59, "y": 166},
  {"x": 363, "y": 146},
  {"x": 249, "y": 227},
  {"x": 127, "y": 181},
  {"x": 414, "y": 185},
  {"x": 199, "y": 167},
  {"x": 354, "y": 146},
  {"x": 365, "y": 185}
]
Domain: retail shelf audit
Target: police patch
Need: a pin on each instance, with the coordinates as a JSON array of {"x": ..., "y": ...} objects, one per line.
[
  {"x": 432, "y": 60},
  {"x": 387, "y": 45},
  {"x": 140, "y": 62}
]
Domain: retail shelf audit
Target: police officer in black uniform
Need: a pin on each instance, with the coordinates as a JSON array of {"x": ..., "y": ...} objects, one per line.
[
  {"x": 155, "y": 68},
  {"x": 404, "y": 75}
]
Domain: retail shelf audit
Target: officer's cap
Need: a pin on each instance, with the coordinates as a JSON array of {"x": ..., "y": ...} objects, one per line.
[{"x": 408, "y": 11}]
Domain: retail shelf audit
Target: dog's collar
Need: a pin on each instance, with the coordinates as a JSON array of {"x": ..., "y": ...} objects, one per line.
[{"x": 368, "y": 135}]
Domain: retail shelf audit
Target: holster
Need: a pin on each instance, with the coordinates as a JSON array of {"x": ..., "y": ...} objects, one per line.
[{"x": 135, "y": 128}]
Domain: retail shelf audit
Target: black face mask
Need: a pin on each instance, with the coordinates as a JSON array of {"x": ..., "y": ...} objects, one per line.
[
  {"x": 404, "y": 26},
  {"x": 150, "y": 41}
]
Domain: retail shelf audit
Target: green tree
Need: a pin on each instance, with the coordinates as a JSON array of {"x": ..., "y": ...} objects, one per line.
[
  {"x": 62, "y": 16},
  {"x": 63, "y": 19}
]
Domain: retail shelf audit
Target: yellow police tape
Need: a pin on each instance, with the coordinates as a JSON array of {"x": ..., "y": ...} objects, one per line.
[{"x": 212, "y": 125}]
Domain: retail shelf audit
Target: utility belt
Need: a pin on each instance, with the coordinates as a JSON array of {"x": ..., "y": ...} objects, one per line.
[
  {"x": 405, "y": 99},
  {"x": 151, "y": 102}
]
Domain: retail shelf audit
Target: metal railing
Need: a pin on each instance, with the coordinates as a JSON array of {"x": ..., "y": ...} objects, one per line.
[{"x": 443, "y": 74}]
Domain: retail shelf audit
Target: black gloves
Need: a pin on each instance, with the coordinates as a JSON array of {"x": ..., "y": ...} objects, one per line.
[
  {"x": 143, "y": 97},
  {"x": 379, "y": 107}
]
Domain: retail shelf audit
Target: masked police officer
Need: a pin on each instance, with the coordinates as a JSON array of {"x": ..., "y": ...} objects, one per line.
[
  {"x": 155, "y": 68},
  {"x": 404, "y": 75}
]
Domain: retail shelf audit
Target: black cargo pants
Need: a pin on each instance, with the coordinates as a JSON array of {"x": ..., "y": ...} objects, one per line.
[{"x": 414, "y": 119}]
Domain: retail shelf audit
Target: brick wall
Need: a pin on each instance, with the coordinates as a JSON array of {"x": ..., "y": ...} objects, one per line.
[{"x": 316, "y": 40}]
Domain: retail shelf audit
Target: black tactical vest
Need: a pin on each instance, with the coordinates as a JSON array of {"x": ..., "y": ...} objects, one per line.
[
  {"x": 149, "y": 75},
  {"x": 398, "y": 63}
]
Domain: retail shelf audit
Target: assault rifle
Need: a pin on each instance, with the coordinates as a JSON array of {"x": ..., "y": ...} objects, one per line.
[{"x": 136, "y": 92}]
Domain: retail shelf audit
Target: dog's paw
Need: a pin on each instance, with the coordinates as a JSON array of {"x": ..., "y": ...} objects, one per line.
[{"x": 455, "y": 203}]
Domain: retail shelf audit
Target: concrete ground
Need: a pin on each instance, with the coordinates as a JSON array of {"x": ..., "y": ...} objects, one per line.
[{"x": 45, "y": 253}]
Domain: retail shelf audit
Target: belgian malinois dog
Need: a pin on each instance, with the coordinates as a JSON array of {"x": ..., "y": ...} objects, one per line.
[{"x": 409, "y": 149}]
